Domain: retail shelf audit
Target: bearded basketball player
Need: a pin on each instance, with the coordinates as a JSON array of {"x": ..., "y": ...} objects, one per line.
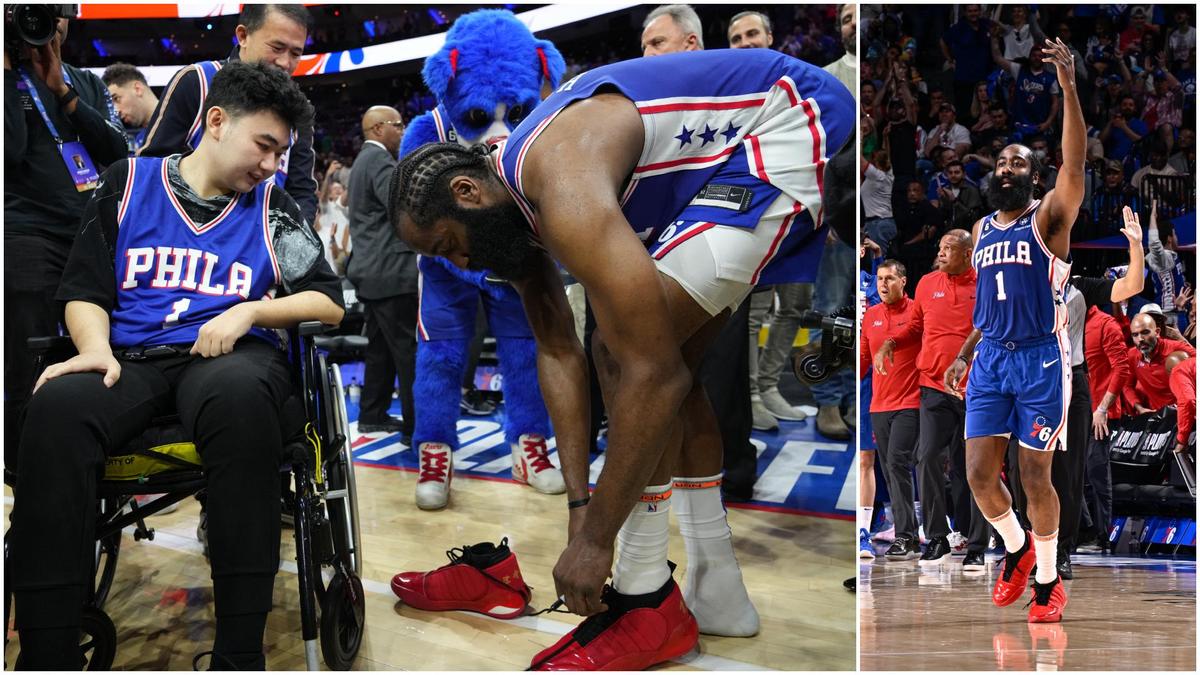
[{"x": 1020, "y": 379}]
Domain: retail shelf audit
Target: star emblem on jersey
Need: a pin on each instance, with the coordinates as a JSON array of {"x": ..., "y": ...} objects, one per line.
[
  {"x": 709, "y": 135},
  {"x": 730, "y": 132},
  {"x": 685, "y": 137}
]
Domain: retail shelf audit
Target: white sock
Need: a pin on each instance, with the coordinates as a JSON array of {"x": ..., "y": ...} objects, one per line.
[
  {"x": 642, "y": 555},
  {"x": 1010, "y": 531},
  {"x": 864, "y": 517},
  {"x": 1045, "y": 547},
  {"x": 713, "y": 587}
]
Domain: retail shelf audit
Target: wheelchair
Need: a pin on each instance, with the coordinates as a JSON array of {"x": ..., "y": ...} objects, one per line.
[{"x": 325, "y": 507}]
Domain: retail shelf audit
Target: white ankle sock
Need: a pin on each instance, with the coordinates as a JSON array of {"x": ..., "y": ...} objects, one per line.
[
  {"x": 1045, "y": 546},
  {"x": 642, "y": 555},
  {"x": 864, "y": 517},
  {"x": 713, "y": 588},
  {"x": 1010, "y": 531}
]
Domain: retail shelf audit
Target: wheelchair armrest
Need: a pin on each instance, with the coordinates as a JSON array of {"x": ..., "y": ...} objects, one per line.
[
  {"x": 48, "y": 342},
  {"x": 307, "y": 328}
]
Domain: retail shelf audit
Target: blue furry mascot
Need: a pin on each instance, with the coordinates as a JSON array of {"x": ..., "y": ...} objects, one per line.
[{"x": 487, "y": 77}]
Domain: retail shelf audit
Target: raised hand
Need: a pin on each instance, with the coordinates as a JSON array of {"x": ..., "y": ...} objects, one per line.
[
  {"x": 1058, "y": 53},
  {"x": 1133, "y": 226}
]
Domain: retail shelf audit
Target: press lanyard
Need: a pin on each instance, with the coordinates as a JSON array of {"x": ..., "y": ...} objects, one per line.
[{"x": 37, "y": 101}]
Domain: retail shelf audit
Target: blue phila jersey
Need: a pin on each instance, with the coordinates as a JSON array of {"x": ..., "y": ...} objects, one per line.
[
  {"x": 1167, "y": 284},
  {"x": 174, "y": 275},
  {"x": 1021, "y": 285},
  {"x": 207, "y": 70},
  {"x": 701, "y": 110}
]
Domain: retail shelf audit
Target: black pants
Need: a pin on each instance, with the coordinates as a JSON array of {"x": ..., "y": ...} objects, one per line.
[
  {"x": 941, "y": 436},
  {"x": 1099, "y": 482},
  {"x": 230, "y": 405},
  {"x": 391, "y": 351},
  {"x": 725, "y": 373},
  {"x": 896, "y": 441},
  {"x": 32, "y": 270}
]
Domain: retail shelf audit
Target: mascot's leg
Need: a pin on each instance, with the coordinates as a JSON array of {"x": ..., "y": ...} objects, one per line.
[
  {"x": 526, "y": 424},
  {"x": 440, "y": 365}
]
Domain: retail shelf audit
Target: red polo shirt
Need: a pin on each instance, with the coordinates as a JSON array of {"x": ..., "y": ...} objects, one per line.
[
  {"x": 1148, "y": 385},
  {"x": 898, "y": 390},
  {"x": 941, "y": 322},
  {"x": 1104, "y": 351},
  {"x": 1183, "y": 388}
]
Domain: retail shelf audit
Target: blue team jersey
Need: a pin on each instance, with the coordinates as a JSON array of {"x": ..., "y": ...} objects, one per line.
[
  {"x": 701, "y": 111},
  {"x": 1021, "y": 284},
  {"x": 174, "y": 275}
]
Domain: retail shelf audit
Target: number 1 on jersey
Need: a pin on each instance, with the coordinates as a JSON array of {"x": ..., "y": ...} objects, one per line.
[
  {"x": 1000, "y": 286},
  {"x": 178, "y": 308}
]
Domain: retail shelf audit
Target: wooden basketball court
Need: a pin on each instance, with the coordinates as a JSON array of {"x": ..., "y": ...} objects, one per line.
[
  {"x": 794, "y": 566},
  {"x": 1123, "y": 614}
]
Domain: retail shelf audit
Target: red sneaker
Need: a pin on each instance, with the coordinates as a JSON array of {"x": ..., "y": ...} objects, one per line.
[
  {"x": 1015, "y": 574},
  {"x": 482, "y": 578},
  {"x": 635, "y": 633},
  {"x": 1048, "y": 602}
]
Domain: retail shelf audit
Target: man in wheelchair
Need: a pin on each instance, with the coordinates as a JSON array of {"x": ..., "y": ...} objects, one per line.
[{"x": 183, "y": 272}]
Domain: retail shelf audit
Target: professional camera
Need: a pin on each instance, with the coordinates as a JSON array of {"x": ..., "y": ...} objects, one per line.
[
  {"x": 837, "y": 345},
  {"x": 33, "y": 25}
]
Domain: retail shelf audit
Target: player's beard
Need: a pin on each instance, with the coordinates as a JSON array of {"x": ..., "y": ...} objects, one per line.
[
  {"x": 1012, "y": 198},
  {"x": 1147, "y": 346},
  {"x": 500, "y": 240}
]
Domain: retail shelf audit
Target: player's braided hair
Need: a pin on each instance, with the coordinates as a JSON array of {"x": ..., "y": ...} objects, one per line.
[{"x": 421, "y": 182}]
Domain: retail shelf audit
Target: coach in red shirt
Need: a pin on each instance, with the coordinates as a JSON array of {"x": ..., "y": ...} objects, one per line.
[
  {"x": 942, "y": 308},
  {"x": 894, "y": 401},
  {"x": 1148, "y": 388},
  {"x": 1183, "y": 387},
  {"x": 1104, "y": 351}
]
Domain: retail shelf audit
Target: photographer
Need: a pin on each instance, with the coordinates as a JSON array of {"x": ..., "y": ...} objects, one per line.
[{"x": 57, "y": 118}]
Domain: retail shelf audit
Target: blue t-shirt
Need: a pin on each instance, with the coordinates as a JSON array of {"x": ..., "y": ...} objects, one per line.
[
  {"x": 1119, "y": 144},
  {"x": 971, "y": 48},
  {"x": 1033, "y": 96}
]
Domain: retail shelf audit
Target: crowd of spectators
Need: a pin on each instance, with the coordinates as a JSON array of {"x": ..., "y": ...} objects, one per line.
[{"x": 944, "y": 88}]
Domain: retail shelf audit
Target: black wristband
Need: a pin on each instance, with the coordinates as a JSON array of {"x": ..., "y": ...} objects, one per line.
[
  {"x": 66, "y": 98},
  {"x": 576, "y": 503}
]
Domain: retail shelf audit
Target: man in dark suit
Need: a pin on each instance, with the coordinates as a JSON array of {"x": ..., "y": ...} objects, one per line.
[{"x": 384, "y": 272}]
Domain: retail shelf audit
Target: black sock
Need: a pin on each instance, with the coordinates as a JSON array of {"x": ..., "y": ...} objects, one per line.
[
  {"x": 50, "y": 649},
  {"x": 240, "y": 642}
]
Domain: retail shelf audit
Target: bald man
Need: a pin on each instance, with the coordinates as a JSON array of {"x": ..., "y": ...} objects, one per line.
[
  {"x": 384, "y": 272},
  {"x": 1149, "y": 389}
]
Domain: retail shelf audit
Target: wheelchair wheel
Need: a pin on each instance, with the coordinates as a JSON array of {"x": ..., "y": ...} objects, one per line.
[
  {"x": 108, "y": 550},
  {"x": 343, "y": 619},
  {"x": 98, "y": 640},
  {"x": 343, "y": 506}
]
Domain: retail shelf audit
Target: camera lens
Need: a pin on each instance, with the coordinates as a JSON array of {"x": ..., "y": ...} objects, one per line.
[{"x": 34, "y": 24}]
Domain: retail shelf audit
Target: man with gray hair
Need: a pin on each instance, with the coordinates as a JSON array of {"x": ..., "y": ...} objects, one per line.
[
  {"x": 749, "y": 30},
  {"x": 671, "y": 28}
]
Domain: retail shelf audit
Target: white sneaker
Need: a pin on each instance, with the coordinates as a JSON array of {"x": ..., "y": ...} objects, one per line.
[
  {"x": 763, "y": 420},
  {"x": 433, "y": 479},
  {"x": 958, "y": 543},
  {"x": 778, "y": 406},
  {"x": 531, "y": 465}
]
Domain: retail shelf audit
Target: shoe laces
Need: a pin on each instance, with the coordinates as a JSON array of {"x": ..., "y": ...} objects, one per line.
[
  {"x": 434, "y": 465},
  {"x": 535, "y": 452},
  {"x": 1042, "y": 593},
  {"x": 589, "y": 628},
  {"x": 460, "y": 556}
]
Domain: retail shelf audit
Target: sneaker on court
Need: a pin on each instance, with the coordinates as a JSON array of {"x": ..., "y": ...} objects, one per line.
[
  {"x": 761, "y": 418},
  {"x": 531, "y": 465},
  {"x": 1014, "y": 574},
  {"x": 903, "y": 548},
  {"x": 636, "y": 632},
  {"x": 475, "y": 402},
  {"x": 433, "y": 480},
  {"x": 936, "y": 553},
  {"x": 779, "y": 408},
  {"x": 974, "y": 562},
  {"x": 1048, "y": 602},
  {"x": 1063, "y": 562},
  {"x": 865, "y": 550},
  {"x": 483, "y": 578},
  {"x": 958, "y": 543}
]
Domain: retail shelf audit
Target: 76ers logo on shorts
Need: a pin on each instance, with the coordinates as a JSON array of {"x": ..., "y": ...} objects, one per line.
[{"x": 1040, "y": 430}]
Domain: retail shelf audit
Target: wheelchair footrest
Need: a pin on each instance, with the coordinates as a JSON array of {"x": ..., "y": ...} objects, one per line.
[{"x": 142, "y": 532}]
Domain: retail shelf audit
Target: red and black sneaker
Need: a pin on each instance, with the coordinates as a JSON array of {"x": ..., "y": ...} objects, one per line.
[
  {"x": 1048, "y": 602},
  {"x": 482, "y": 578},
  {"x": 636, "y": 632},
  {"x": 1014, "y": 574}
]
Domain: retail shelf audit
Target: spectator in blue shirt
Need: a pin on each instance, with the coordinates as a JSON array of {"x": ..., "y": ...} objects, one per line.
[
  {"x": 1036, "y": 100},
  {"x": 966, "y": 48},
  {"x": 1123, "y": 130}
]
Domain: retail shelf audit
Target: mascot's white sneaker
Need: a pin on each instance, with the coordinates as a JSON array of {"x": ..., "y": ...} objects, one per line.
[
  {"x": 531, "y": 465},
  {"x": 433, "y": 480}
]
